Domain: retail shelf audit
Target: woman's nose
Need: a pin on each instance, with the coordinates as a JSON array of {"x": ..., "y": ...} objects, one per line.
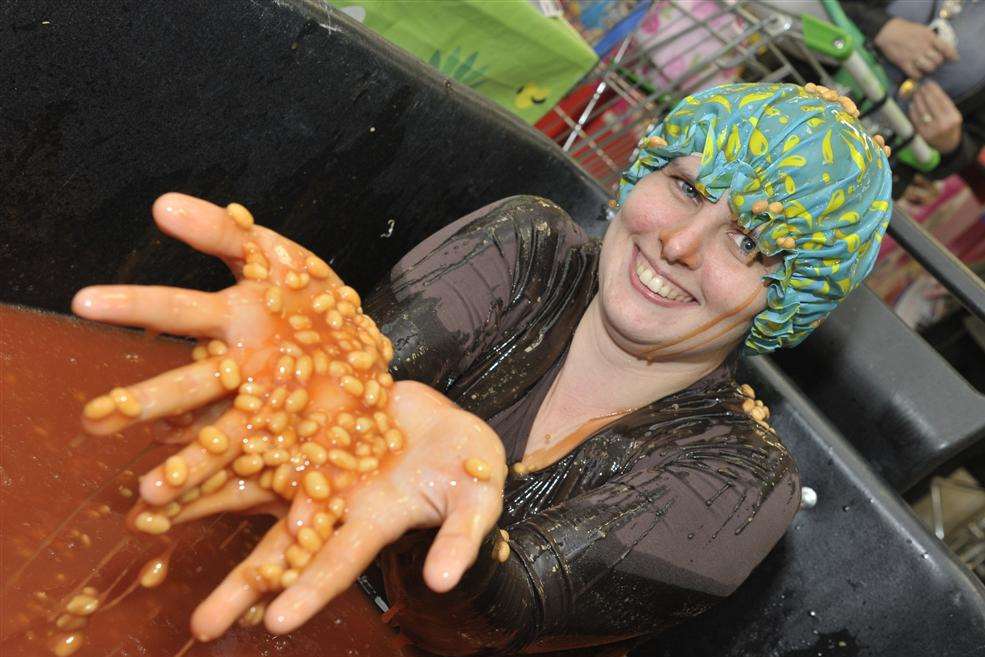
[{"x": 681, "y": 244}]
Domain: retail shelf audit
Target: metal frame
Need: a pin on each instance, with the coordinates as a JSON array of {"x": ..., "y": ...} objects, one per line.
[{"x": 763, "y": 34}]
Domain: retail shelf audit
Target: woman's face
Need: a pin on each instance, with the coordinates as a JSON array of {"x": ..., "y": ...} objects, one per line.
[{"x": 678, "y": 278}]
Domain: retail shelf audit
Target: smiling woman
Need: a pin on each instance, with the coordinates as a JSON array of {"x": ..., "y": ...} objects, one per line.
[
  {"x": 686, "y": 253},
  {"x": 567, "y": 410},
  {"x": 798, "y": 172}
]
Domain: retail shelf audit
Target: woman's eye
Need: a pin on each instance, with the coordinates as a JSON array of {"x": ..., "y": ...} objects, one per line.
[
  {"x": 688, "y": 190},
  {"x": 746, "y": 245}
]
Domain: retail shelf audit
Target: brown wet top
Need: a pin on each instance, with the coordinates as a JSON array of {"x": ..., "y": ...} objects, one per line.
[
  {"x": 649, "y": 521},
  {"x": 646, "y": 523}
]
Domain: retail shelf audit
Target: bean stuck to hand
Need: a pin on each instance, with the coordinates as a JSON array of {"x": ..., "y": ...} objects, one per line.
[
  {"x": 288, "y": 408},
  {"x": 291, "y": 445},
  {"x": 477, "y": 468}
]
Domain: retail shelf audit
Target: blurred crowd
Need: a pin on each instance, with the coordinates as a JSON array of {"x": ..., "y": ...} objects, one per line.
[
  {"x": 933, "y": 51},
  {"x": 946, "y": 106}
]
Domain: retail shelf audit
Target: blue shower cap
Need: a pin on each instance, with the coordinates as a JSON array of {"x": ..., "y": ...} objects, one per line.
[{"x": 803, "y": 176}]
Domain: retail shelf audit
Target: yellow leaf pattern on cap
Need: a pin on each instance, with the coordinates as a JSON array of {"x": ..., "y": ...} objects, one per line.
[{"x": 781, "y": 143}]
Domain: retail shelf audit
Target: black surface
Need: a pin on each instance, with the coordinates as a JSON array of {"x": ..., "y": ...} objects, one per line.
[
  {"x": 953, "y": 339},
  {"x": 324, "y": 133},
  {"x": 111, "y": 103},
  {"x": 892, "y": 396},
  {"x": 856, "y": 576}
]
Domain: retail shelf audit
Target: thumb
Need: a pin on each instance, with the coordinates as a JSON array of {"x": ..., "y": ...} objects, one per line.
[{"x": 457, "y": 544}]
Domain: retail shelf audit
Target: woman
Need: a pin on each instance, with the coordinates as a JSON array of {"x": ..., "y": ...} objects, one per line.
[{"x": 645, "y": 484}]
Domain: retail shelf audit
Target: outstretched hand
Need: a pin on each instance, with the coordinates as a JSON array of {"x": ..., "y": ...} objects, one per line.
[{"x": 315, "y": 405}]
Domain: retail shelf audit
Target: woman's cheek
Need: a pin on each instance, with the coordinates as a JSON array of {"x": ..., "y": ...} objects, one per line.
[
  {"x": 636, "y": 219},
  {"x": 756, "y": 286},
  {"x": 729, "y": 288},
  {"x": 609, "y": 257}
]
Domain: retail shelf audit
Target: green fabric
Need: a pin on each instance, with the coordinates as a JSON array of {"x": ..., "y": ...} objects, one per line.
[
  {"x": 767, "y": 143},
  {"x": 505, "y": 50}
]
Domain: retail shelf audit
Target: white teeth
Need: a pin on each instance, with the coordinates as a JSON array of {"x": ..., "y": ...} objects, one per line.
[{"x": 658, "y": 284}]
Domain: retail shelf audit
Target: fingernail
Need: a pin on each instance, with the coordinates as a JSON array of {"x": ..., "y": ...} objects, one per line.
[
  {"x": 83, "y": 300},
  {"x": 172, "y": 203}
]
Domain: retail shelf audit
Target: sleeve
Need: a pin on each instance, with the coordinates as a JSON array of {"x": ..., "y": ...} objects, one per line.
[
  {"x": 868, "y": 15},
  {"x": 462, "y": 288},
  {"x": 642, "y": 552},
  {"x": 966, "y": 153}
]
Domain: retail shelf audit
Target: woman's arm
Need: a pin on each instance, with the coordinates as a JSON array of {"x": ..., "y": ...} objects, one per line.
[
  {"x": 640, "y": 553},
  {"x": 425, "y": 483},
  {"x": 469, "y": 287},
  {"x": 437, "y": 300}
]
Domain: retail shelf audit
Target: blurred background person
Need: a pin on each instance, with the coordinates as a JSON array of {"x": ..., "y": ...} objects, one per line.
[{"x": 934, "y": 45}]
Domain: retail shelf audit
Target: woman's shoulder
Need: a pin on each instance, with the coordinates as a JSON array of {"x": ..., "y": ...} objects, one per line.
[
  {"x": 721, "y": 429},
  {"x": 724, "y": 414},
  {"x": 512, "y": 228},
  {"x": 728, "y": 468},
  {"x": 527, "y": 214}
]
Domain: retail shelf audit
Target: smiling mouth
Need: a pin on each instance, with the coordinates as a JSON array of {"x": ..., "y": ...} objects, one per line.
[{"x": 659, "y": 285}]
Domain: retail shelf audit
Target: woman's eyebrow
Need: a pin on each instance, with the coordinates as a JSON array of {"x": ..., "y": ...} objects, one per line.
[
  {"x": 678, "y": 170},
  {"x": 674, "y": 167}
]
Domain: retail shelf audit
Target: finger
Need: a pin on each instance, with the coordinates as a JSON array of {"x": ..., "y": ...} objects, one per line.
[
  {"x": 920, "y": 196},
  {"x": 911, "y": 70},
  {"x": 933, "y": 58},
  {"x": 201, "y": 463},
  {"x": 935, "y": 291},
  {"x": 235, "y": 595},
  {"x": 937, "y": 98},
  {"x": 951, "y": 113},
  {"x": 165, "y": 309},
  {"x": 168, "y": 434},
  {"x": 945, "y": 49},
  {"x": 208, "y": 228},
  {"x": 456, "y": 546},
  {"x": 204, "y": 226},
  {"x": 924, "y": 64},
  {"x": 236, "y": 495},
  {"x": 171, "y": 393},
  {"x": 920, "y": 98},
  {"x": 303, "y": 509},
  {"x": 932, "y": 93},
  {"x": 343, "y": 558},
  {"x": 918, "y": 111}
]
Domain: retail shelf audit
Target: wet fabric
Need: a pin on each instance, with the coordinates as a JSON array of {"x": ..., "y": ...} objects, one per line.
[
  {"x": 648, "y": 522},
  {"x": 779, "y": 143}
]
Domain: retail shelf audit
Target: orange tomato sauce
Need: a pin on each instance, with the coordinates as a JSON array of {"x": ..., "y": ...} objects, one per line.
[{"x": 65, "y": 496}]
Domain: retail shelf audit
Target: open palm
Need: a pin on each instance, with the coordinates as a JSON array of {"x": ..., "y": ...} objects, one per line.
[{"x": 295, "y": 387}]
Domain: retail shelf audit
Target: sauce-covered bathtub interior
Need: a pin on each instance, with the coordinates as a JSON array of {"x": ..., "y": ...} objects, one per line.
[{"x": 74, "y": 580}]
